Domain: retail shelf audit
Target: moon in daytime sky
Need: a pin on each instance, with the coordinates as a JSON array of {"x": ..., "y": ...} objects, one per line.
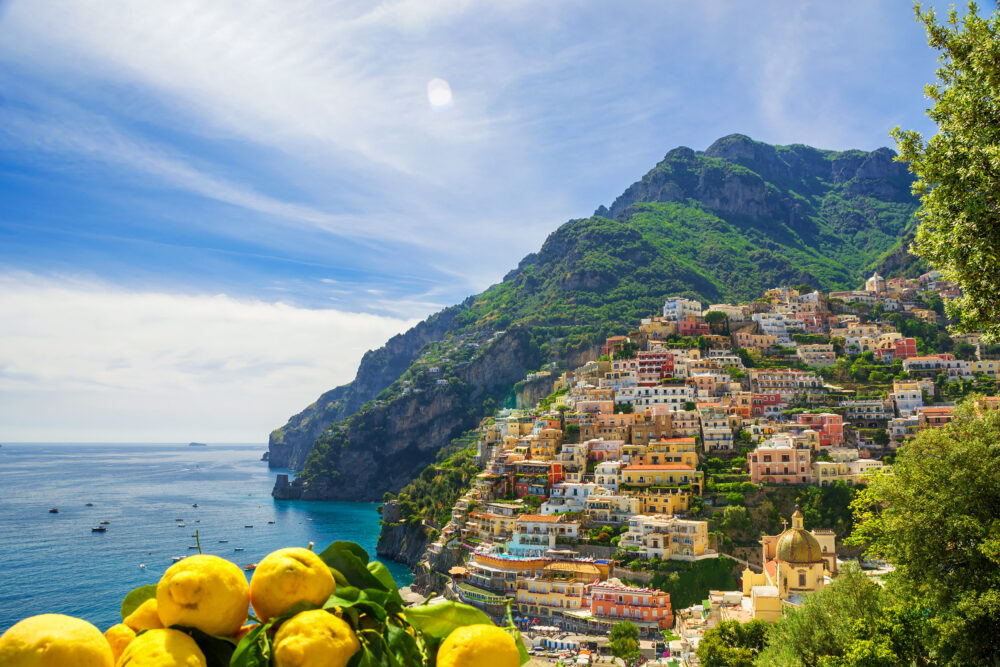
[{"x": 439, "y": 93}]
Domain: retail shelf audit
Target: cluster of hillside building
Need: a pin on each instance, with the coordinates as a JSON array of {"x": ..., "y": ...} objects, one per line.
[{"x": 620, "y": 442}]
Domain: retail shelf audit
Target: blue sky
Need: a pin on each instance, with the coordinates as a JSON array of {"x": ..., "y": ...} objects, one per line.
[{"x": 279, "y": 167}]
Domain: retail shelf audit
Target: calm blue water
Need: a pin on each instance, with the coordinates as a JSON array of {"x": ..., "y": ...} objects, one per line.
[{"x": 53, "y": 563}]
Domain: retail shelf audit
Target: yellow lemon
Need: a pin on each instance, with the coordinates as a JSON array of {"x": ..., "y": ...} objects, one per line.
[
  {"x": 314, "y": 638},
  {"x": 145, "y": 617},
  {"x": 478, "y": 646},
  {"x": 54, "y": 640},
  {"x": 119, "y": 636},
  {"x": 288, "y": 576},
  {"x": 204, "y": 592},
  {"x": 162, "y": 648}
]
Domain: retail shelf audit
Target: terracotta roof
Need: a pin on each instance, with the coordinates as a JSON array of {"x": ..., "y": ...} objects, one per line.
[{"x": 541, "y": 518}]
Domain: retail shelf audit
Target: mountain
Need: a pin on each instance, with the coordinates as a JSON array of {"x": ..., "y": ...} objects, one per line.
[{"x": 722, "y": 224}]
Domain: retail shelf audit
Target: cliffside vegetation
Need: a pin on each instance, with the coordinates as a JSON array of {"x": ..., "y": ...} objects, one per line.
[{"x": 715, "y": 225}]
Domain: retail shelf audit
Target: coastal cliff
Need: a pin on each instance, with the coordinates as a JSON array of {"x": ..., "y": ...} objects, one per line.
[
  {"x": 724, "y": 223},
  {"x": 387, "y": 442},
  {"x": 289, "y": 445},
  {"x": 401, "y": 540}
]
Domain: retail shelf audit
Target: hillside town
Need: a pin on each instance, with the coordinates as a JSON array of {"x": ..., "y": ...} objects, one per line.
[{"x": 586, "y": 494}]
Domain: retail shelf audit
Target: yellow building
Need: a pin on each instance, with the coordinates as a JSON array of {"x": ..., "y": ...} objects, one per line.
[
  {"x": 559, "y": 588},
  {"x": 663, "y": 500},
  {"x": 544, "y": 445},
  {"x": 672, "y": 450},
  {"x": 671, "y": 474},
  {"x": 667, "y": 537},
  {"x": 797, "y": 561}
]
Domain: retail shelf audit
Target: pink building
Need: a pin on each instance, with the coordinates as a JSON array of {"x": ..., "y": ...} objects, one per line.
[
  {"x": 780, "y": 461},
  {"x": 829, "y": 426},
  {"x": 604, "y": 450}
]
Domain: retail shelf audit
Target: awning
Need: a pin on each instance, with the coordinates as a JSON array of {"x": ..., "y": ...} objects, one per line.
[{"x": 458, "y": 570}]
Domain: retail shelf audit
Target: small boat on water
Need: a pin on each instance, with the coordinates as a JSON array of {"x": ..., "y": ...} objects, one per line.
[
  {"x": 223, "y": 541},
  {"x": 270, "y": 522},
  {"x": 142, "y": 566},
  {"x": 98, "y": 529},
  {"x": 178, "y": 558},
  {"x": 192, "y": 546},
  {"x": 249, "y": 525},
  {"x": 237, "y": 548},
  {"x": 251, "y": 566},
  {"x": 89, "y": 504},
  {"x": 195, "y": 505},
  {"x": 178, "y": 519},
  {"x": 180, "y": 525},
  {"x": 53, "y": 510}
]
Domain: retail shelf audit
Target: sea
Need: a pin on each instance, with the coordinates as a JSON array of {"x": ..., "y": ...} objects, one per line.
[{"x": 55, "y": 563}]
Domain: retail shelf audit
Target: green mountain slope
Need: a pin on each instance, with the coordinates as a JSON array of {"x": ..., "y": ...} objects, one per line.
[{"x": 722, "y": 224}]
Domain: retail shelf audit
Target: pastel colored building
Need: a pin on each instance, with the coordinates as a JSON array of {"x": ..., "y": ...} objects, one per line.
[
  {"x": 780, "y": 460},
  {"x": 617, "y": 602}
]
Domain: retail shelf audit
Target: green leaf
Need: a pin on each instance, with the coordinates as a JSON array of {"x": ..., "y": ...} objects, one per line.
[
  {"x": 136, "y": 598},
  {"x": 349, "y": 547},
  {"x": 438, "y": 620},
  {"x": 218, "y": 650},
  {"x": 381, "y": 573},
  {"x": 403, "y": 646},
  {"x": 254, "y": 650},
  {"x": 350, "y": 566}
]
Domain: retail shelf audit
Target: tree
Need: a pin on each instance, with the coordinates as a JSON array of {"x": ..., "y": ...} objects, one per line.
[
  {"x": 624, "y": 643},
  {"x": 823, "y": 626},
  {"x": 936, "y": 518},
  {"x": 958, "y": 169},
  {"x": 732, "y": 644}
]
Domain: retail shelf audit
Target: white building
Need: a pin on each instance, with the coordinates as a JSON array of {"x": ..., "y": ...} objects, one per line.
[
  {"x": 678, "y": 308},
  {"x": 673, "y": 395},
  {"x": 774, "y": 324},
  {"x": 607, "y": 474},
  {"x": 568, "y": 497}
]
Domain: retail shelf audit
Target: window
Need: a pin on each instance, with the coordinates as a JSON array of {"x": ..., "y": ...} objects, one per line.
[{"x": 802, "y": 579}]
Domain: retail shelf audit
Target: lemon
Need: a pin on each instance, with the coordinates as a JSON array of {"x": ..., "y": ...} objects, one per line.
[
  {"x": 314, "y": 638},
  {"x": 54, "y": 640},
  {"x": 287, "y": 576},
  {"x": 145, "y": 617},
  {"x": 478, "y": 646},
  {"x": 162, "y": 648},
  {"x": 204, "y": 592},
  {"x": 119, "y": 636}
]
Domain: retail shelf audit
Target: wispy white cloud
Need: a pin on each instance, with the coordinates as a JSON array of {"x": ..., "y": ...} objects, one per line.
[{"x": 81, "y": 360}]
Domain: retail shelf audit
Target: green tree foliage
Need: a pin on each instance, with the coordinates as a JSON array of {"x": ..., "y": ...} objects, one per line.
[
  {"x": 846, "y": 623},
  {"x": 936, "y": 518},
  {"x": 733, "y": 644},
  {"x": 828, "y": 507},
  {"x": 958, "y": 169},
  {"x": 624, "y": 643}
]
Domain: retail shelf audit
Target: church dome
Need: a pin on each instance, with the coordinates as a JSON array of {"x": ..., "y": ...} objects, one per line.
[{"x": 797, "y": 545}]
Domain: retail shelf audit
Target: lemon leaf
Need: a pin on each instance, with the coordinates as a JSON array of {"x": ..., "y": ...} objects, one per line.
[
  {"x": 134, "y": 599},
  {"x": 254, "y": 650}
]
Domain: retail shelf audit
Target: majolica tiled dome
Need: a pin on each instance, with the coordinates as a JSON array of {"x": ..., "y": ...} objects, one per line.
[{"x": 797, "y": 545}]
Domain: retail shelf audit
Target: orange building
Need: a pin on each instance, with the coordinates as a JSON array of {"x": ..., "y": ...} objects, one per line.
[{"x": 642, "y": 606}]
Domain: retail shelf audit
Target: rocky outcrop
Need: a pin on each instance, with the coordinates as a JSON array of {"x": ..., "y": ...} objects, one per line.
[
  {"x": 384, "y": 446},
  {"x": 739, "y": 176},
  {"x": 401, "y": 540},
  {"x": 289, "y": 445}
]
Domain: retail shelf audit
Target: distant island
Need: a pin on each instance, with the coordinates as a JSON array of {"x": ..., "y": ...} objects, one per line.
[{"x": 197, "y": 444}]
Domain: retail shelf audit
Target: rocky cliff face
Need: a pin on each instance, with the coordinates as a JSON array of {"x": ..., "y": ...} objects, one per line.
[
  {"x": 742, "y": 177},
  {"x": 384, "y": 446},
  {"x": 401, "y": 541},
  {"x": 289, "y": 445}
]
